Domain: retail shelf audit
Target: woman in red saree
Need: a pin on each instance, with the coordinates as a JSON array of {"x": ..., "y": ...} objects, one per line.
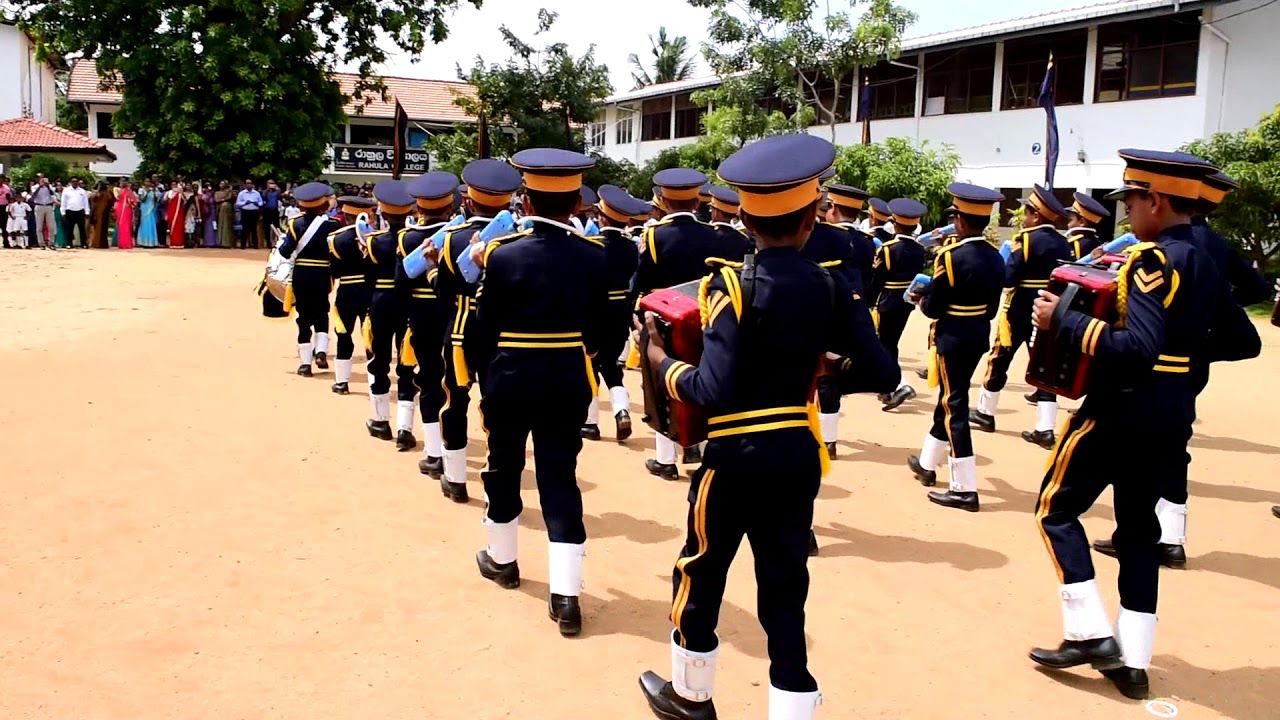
[
  {"x": 125, "y": 206},
  {"x": 175, "y": 215}
]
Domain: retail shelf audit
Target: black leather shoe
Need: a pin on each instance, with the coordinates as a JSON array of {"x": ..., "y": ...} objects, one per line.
[
  {"x": 667, "y": 705},
  {"x": 982, "y": 421},
  {"x": 1102, "y": 654},
  {"x": 1043, "y": 438},
  {"x": 1172, "y": 556},
  {"x": 590, "y": 432},
  {"x": 341, "y": 389},
  {"x": 813, "y": 544},
  {"x": 927, "y": 478},
  {"x": 959, "y": 500},
  {"x": 507, "y": 576},
  {"x": 623, "y": 420},
  {"x": 1104, "y": 547},
  {"x": 321, "y": 360},
  {"x": 456, "y": 492},
  {"x": 662, "y": 470},
  {"x": 1131, "y": 682},
  {"x": 432, "y": 466},
  {"x": 304, "y": 370},
  {"x": 899, "y": 396},
  {"x": 1275, "y": 510},
  {"x": 565, "y": 611},
  {"x": 380, "y": 429},
  {"x": 831, "y": 450},
  {"x": 692, "y": 455},
  {"x": 922, "y": 373},
  {"x": 1032, "y": 398},
  {"x": 405, "y": 441},
  {"x": 882, "y": 397}
]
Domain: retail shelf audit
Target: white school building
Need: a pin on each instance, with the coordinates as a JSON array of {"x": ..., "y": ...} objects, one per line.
[{"x": 1135, "y": 73}]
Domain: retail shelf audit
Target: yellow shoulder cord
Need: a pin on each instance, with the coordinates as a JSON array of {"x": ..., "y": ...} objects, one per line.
[{"x": 704, "y": 311}]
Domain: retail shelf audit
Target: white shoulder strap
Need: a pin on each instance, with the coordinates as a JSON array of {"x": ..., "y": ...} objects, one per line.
[{"x": 316, "y": 223}]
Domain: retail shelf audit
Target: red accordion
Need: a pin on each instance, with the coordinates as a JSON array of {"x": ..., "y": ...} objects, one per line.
[
  {"x": 1067, "y": 370},
  {"x": 680, "y": 322}
]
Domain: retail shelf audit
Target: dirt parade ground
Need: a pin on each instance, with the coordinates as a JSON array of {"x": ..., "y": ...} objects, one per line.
[{"x": 189, "y": 530}]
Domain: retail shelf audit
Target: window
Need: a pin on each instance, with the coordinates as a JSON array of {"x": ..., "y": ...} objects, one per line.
[
  {"x": 892, "y": 89},
  {"x": 339, "y": 135},
  {"x": 1156, "y": 57},
  {"x": 825, "y": 90},
  {"x": 622, "y": 135},
  {"x": 595, "y": 134},
  {"x": 416, "y": 138},
  {"x": 372, "y": 135},
  {"x": 655, "y": 119},
  {"x": 688, "y": 117},
  {"x": 1025, "y": 60},
  {"x": 959, "y": 81},
  {"x": 103, "y": 121}
]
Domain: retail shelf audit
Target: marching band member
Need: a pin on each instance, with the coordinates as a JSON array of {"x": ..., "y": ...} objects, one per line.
[
  {"x": 386, "y": 326},
  {"x": 705, "y": 195},
  {"x": 878, "y": 220},
  {"x": 674, "y": 251},
  {"x": 542, "y": 311},
  {"x": 847, "y": 203},
  {"x": 347, "y": 260},
  {"x": 755, "y": 385},
  {"x": 1082, "y": 224},
  {"x": 490, "y": 184},
  {"x": 968, "y": 277},
  {"x": 724, "y": 218},
  {"x": 1037, "y": 251},
  {"x": 616, "y": 210},
  {"x": 1170, "y": 302},
  {"x": 304, "y": 244},
  {"x": 1248, "y": 286},
  {"x": 897, "y": 262},
  {"x": 434, "y": 194}
]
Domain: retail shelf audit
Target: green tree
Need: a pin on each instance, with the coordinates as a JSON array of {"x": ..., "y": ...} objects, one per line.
[
  {"x": 226, "y": 88},
  {"x": 608, "y": 171},
  {"x": 799, "y": 56},
  {"x": 898, "y": 168},
  {"x": 536, "y": 97},
  {"x": 671, "y": 61},
  {"x": 54, "y": 168},
  {"x": 1250, "y": 216}
]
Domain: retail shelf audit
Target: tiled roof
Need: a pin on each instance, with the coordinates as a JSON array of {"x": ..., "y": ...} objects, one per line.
[
  {"x": 27, "y": 135},
  {"x": 423, "y": 100}
]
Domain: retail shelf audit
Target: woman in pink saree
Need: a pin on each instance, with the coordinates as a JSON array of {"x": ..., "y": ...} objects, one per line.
[
  {"x": 125, "y": 206},
  {"x": 175, "y": 212}
]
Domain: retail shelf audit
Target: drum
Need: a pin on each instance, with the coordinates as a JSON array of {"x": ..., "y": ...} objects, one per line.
[
  {"x": 679, "y": 321},
  {"x": 279, "y": 273},
  {"x": 1067, "y": 370}
]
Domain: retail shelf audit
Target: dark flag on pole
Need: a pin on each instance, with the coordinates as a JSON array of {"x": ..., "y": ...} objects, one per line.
[
  {"x": 864, "y": 111},
  {"x": 483, "y": 147},
  {"x": 1051, "y": 125},
  {"x": 401, "y": 128}
]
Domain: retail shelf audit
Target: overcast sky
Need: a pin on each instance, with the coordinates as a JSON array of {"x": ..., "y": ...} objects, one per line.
[{"x": 619, "y": 28}]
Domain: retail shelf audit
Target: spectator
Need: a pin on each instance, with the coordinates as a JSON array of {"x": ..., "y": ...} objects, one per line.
[
  {"x": 42, "y": 203},
  {"x": 225, "y": 199},
  {"x": 191, "y": 210},
  {"x": 271, "y": 206},
  {"x": 126, "y": 206},
  {"x": 148, "y": 202},
  {"x": 175, "y": 215},
  {"x": 60, "y": 240},
  {"x": 16, "y": 221},
  {"x": 6, "y": 195},
  {"x": 75, "y": 204},
  {"x": 100, "y": 215},
  {"x": 208, "y": 230},
  {"x": 249, "y": 203}
]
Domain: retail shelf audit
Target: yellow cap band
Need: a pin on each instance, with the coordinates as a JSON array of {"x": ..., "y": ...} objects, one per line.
[
  {"x": 1212, "y": 194},
  {"x": 969, "y": 207},
  {"x": 318, "y": 202},
  {"x": 1086, "y": 213},
  {"x": 723, "y": 206},
  {"x": 779, "y": 203},
  {"x": 354, "y": 210},
  {"x": 553, "y": 183},
  {"x": 386, "y": 209},
  {"x": 904, "y": 220},
  {"x": 678, "y": 193},
  {"x": 848, "y": 202},
  {"x": 1041, "y": 208},
  {"x": 1163, "y": 184},
  {"x": 657, "y": 202},
  {"x": 612, "y": 213},
  {"x": 434, "y": 203},
  {"x": 488, "y": 199},
  {"x": 878, "y": 216}
]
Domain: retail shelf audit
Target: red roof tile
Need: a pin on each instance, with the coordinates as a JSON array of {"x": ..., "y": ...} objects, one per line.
[
  {"x": 27, "y": 135},
  {"x": 423, "y": 100}
]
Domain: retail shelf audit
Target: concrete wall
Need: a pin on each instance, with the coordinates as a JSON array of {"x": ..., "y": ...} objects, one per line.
[
  {"x": 27, "y": 88},
  {"x": 127, "y": 157},
  {"x": 1243, "y": 72}
]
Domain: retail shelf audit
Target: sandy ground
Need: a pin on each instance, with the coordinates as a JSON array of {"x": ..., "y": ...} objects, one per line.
[{"x": 188, "y": 530}]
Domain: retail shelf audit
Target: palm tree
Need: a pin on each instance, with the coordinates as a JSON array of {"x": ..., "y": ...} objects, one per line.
[{"x": 671, "y": 61}]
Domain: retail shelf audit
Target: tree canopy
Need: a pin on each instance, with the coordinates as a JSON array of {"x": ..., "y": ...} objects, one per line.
[
  {"x": 226, "y": 88},
  {"x": 1250, "y": 216},
  {"x": 671, "y": 61},
  {"x": 898, "y": 168},
  {"x": 801, "y": 58}
]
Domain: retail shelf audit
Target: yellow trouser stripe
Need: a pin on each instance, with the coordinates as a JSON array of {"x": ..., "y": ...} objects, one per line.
[
  {"x": 699, "y": 531},
  {"x": 1066, "y": 446},
  {"x": 1171, "y": 369},
  {"x": 1175, "y": 358}
]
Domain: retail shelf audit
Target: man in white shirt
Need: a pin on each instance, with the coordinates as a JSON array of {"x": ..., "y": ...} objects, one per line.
[{"x": 75, "y": 205}]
